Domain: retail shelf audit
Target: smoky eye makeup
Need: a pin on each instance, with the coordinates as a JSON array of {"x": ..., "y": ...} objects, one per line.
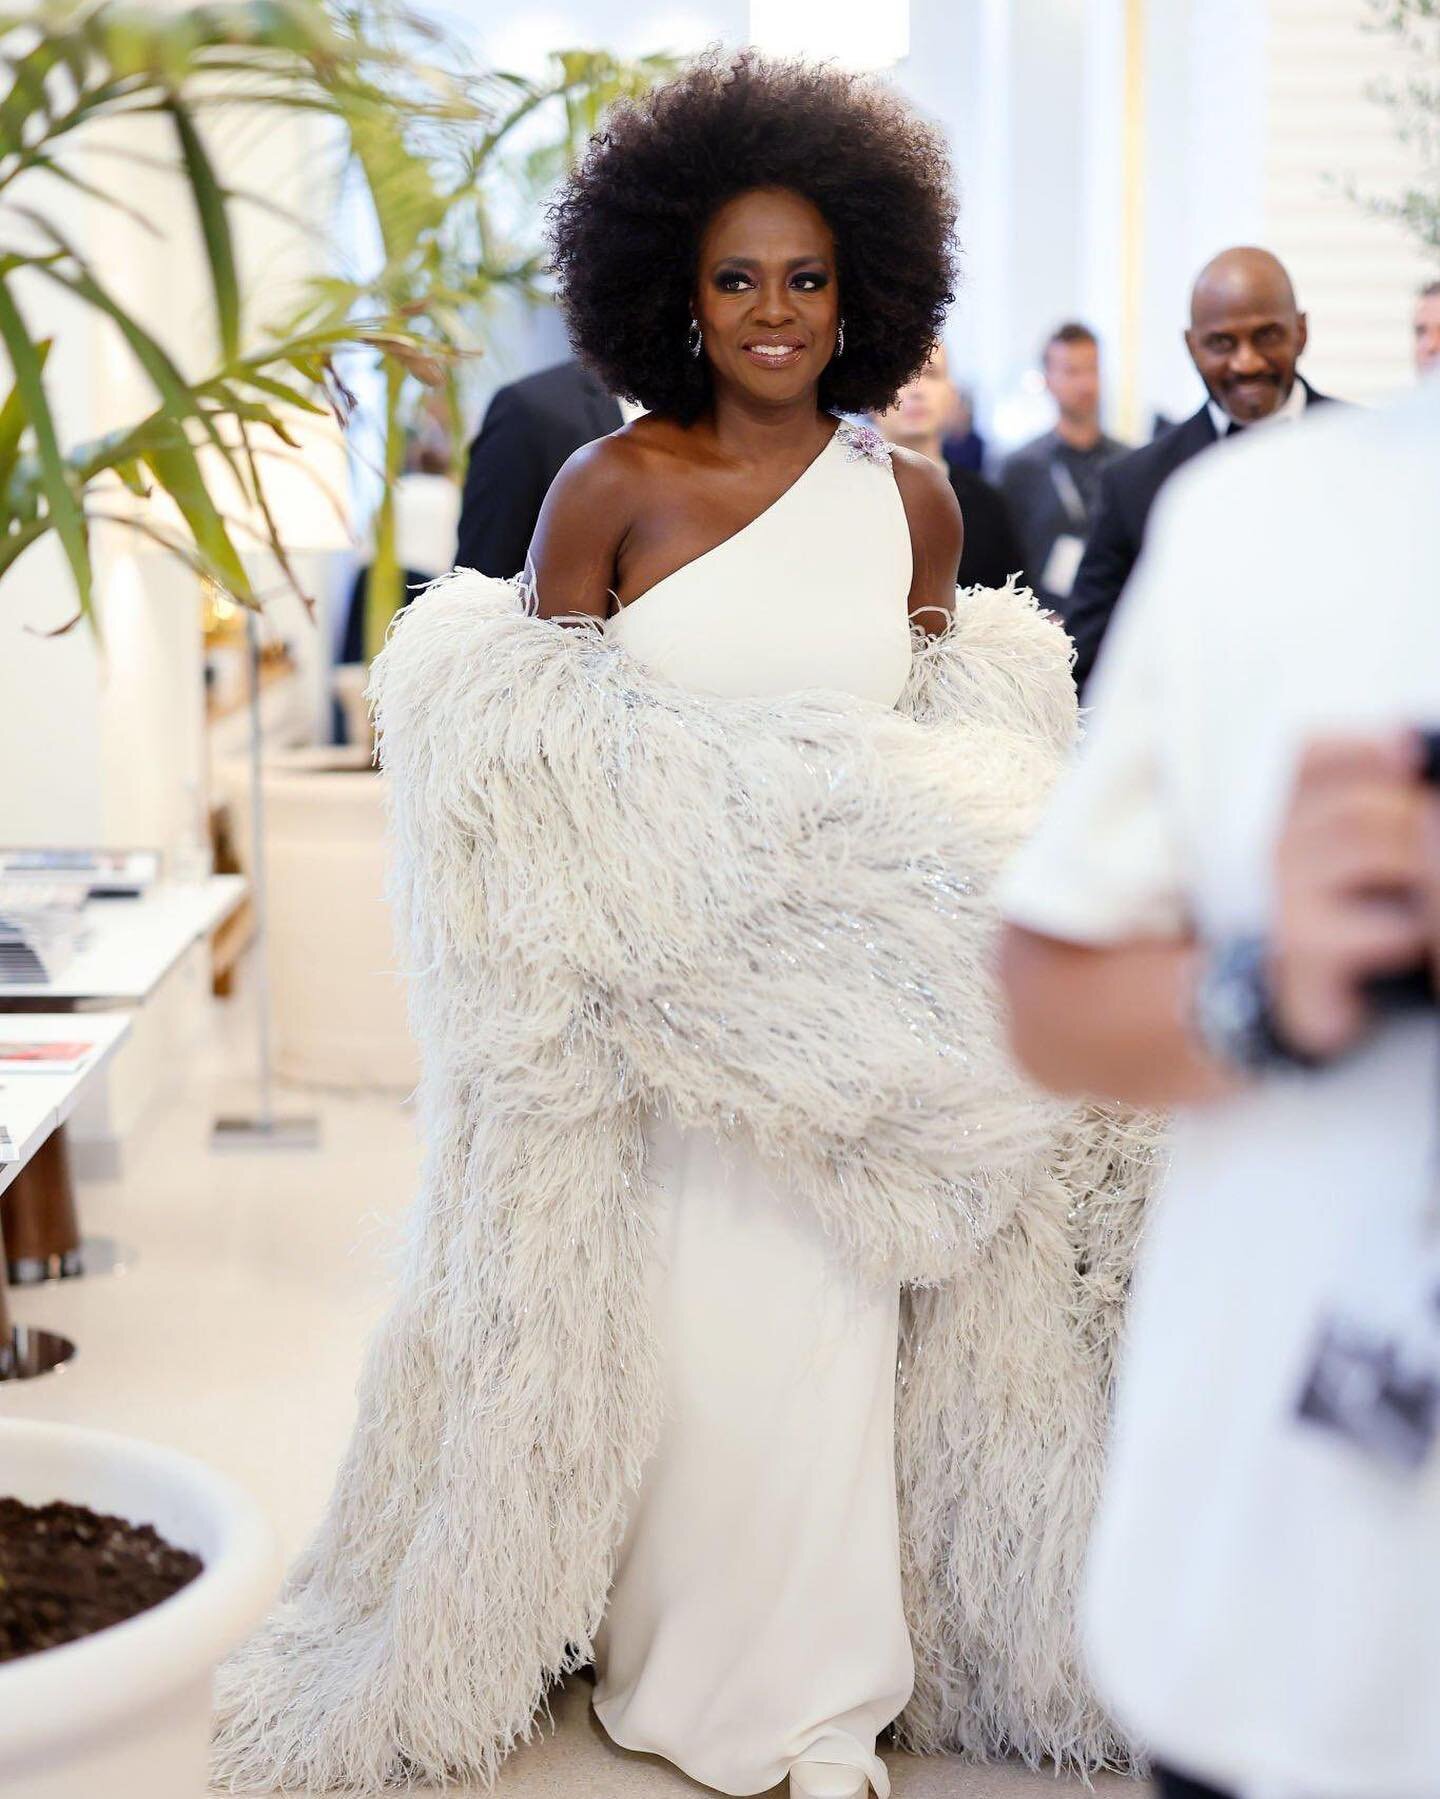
[{"x": 733, "y": 279}]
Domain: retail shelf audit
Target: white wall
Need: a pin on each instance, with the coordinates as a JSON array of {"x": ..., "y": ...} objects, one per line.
[
  {"x": 1257, "y": 117},
  {"x": 1356, "y": 275},
  {"x": 519, "y": 36}
]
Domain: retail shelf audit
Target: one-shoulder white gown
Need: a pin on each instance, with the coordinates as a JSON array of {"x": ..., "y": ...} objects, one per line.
[{"x": 755, "y": 1618}]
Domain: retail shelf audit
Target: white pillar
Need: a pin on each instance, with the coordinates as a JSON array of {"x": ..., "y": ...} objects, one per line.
[{"x": 1005, "y": 79}]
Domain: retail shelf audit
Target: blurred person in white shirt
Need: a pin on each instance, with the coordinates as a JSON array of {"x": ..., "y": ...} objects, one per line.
[
  {"x": 426, "y": 498},
  {"x": 427, "y": 507},
  {"x": 1248, "y": 842}
]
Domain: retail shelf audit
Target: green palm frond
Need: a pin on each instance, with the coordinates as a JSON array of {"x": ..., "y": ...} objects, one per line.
[
  {"x": 426, "y": 133},
  {"x": 479, "y": 133},
  {"x": 56, "y": 478}
]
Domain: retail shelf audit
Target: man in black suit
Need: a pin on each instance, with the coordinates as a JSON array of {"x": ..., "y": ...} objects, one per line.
[
  {"x": 532, "y": 427},
  {"x": 1246, "y": 335}
]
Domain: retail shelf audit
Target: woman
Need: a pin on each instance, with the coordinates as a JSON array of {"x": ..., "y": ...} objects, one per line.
[
  {"x": 694, "y": 888},
  {"x": 736, "y": 543}
]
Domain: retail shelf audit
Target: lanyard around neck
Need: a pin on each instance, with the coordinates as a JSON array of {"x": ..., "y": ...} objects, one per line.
[{"x": 1068, "y": 489}]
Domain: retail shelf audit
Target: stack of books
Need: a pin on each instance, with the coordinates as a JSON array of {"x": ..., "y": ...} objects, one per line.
[{"x": 41, "y": 927}]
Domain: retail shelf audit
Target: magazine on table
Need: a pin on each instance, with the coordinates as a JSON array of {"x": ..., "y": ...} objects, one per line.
[
  {"x": 103, "y": 873},
  {"x": 27, "y": 1056}
]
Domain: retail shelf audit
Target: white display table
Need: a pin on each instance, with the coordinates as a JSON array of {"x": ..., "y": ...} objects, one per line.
[
  {"x": 149, "y": 956},
  {"x": 34, "y": 1109},
  {"x": 33, "y": 1105},
  {"x": 132, "y": 944},
  {"x": 28, "y": 1114}
]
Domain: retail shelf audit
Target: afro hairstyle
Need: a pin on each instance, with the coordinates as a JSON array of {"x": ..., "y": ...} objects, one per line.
[{"x": 626, "y": 226}]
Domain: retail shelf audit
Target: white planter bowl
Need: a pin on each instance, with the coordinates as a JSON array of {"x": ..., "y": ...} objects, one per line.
[{"x": 125, "y": 1713}]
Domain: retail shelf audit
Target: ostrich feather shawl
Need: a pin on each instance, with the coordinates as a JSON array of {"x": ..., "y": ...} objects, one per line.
[{"x": 766, "y": 917}]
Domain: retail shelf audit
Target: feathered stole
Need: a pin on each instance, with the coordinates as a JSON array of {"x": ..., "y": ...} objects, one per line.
[{"x": 770, "y": 916}]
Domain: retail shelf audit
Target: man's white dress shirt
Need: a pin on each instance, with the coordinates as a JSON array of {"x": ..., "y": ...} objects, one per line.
[
  {"x": 1293, "y": 407},
  {"x": 1263, "y": 1604}
]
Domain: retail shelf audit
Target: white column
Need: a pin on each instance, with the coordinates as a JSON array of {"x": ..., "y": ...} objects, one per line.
[
  {"x": 1005, "y": 79},
  {"x": 1102, "y": 170}
]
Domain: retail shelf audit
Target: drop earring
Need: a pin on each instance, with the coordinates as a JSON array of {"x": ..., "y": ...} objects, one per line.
[
  {"x": 840, "y": 339},
  {"x": 696, "y": 340}
]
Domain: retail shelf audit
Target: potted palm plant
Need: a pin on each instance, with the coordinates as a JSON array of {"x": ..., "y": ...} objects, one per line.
[{"x": 84, "y": 70}]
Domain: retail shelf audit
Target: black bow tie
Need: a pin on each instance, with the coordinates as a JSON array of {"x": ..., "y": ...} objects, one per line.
[{"x": 1233, "y": 430}]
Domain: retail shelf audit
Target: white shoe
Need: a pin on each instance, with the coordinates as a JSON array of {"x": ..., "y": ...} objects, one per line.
[{"x": 827, "y": 1780}]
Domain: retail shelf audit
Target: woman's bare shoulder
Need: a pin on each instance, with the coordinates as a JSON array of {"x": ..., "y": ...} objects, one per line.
[
  {"x": 592, "y": 505},
  {"x": 612, "y": 471},
  {"x": 601, "y": 469},
  {"x": 929, "y": 499}
]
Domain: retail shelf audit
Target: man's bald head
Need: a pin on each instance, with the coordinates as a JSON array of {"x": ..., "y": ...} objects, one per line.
[
  {"x": 1246, "y": 332},
  {"x": 1246, "y": 278}
]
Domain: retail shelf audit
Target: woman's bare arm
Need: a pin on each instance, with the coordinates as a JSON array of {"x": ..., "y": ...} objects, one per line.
[
  {"x": 937, "y": 536},
  {"x": 579, "y": 532}
]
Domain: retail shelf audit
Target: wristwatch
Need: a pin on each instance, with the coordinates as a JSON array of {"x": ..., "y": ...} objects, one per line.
[{"x": 1233, "y": 1012}]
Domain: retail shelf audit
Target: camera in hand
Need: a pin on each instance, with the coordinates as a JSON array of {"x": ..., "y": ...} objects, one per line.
[{"x": 1414, "y": 989}]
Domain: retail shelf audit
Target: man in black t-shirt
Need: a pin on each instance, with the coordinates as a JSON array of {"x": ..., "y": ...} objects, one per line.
[{"x": 1051, "y": 484}]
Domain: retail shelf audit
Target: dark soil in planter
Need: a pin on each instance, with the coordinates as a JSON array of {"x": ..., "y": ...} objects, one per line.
[{"x": 66, "y": 1572}]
